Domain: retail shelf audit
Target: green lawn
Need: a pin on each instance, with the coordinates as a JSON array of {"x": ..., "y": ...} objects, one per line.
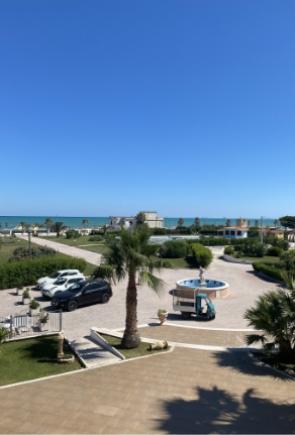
[
  {"x": 82, "y": 242},
  {"x": 266, "y": 258},
  {"x": 8, "y": 245},
  {"x": 30, "y": 359},
  {"x": 141, "y": 350},
  {"x": 177, "y": 263}
]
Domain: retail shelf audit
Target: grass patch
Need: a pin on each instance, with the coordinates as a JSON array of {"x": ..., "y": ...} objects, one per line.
[
  {"x": 266, "y": 258},
  {"x": 8, "y": 245},
  {"x": 81, "y": 242},
  {"x": 31, "y": 359},
  {"x": 141, "y": 350},
  {"x": 177, "y": 263}
]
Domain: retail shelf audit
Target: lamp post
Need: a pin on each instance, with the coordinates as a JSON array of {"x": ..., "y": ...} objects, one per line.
[{"x": 29, "y": 239}]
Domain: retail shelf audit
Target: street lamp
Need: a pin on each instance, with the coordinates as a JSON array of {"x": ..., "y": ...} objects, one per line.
[{"x": 261, "y": 229}]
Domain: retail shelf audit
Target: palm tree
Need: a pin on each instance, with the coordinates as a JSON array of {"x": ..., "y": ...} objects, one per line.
[
  {"x": 85, "y": 222},
  {"x": 274, "y": 314},
  {"x": 180, "y": 222},
  {"x": 128, "y": 257},
  {"x": 48, "y": 223},
  {"x": 58, "y": 227}
]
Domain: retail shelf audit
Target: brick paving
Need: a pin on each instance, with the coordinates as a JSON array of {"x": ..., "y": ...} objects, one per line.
[
  {"x": 183, "y": 391},
  {"x": 195, "y": 336}
]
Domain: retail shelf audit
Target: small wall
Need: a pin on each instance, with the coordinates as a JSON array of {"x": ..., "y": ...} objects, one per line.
[{"x": 189, "y": 293}]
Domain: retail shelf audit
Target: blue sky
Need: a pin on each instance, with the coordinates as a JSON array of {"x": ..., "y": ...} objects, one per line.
[{"x": 109, "y": 107}]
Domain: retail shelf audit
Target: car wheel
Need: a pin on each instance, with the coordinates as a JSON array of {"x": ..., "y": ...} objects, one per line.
[
  {"x": 105, "y": 298},
  {"x": 72, "y": 305}
]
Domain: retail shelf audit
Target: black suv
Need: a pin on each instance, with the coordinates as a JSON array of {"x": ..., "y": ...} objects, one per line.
[{"x": 86, "y": 293}]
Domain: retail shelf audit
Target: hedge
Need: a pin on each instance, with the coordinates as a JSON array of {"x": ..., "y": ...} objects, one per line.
[
  {"x": 27, "y": 272},
  {"x": 268, "y": 269},
  {"x": 174, "y": 249}
]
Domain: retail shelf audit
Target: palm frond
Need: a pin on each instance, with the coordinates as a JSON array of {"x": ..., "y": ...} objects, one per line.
[
  {"x": 151, "y": 280},
  {"x": 255, "y": 338}
]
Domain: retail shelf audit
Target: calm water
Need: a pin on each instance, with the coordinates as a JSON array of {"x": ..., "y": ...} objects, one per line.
[{"x": 75, "y": 222}]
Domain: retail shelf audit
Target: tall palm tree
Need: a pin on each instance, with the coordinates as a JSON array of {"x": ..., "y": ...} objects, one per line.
[
  {"x": 85, "y": 222},
  {"x": 128, "y": 256},
  {"x": 48, "y": 223}
]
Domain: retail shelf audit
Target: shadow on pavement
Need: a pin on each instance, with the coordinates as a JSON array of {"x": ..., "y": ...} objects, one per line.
[{"x": 218, "y": 411}]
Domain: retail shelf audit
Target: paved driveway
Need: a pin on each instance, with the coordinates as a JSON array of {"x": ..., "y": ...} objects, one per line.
[
  {"x": 245, "y": 288},
  {"x": 90, "y": 257},
  {"x": 184, "y": 391}
]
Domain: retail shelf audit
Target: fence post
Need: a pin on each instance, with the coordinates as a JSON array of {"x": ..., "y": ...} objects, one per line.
[
  {"x": 11, "y": 325},
  {"x": 60, "y": 321}
]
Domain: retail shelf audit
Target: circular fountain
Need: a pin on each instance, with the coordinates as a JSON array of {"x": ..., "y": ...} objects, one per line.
[{"x": 215, "y": 289}]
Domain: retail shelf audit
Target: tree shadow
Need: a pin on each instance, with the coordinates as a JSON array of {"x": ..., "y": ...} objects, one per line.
[
  {"x": 218, "y": 411},
  {"x": 246, "y": 362}
]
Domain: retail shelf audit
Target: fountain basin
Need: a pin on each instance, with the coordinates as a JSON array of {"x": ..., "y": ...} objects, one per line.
[{"x": 215, "y": 289}]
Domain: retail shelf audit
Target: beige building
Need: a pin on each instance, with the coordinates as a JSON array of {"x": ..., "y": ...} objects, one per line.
[{"x": 152, "y": 219}]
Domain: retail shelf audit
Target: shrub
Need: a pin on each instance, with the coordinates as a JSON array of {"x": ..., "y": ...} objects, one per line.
[
  {"x": 229, "y": 250},
  {"x": 251, "y": 249},
  {"x": 274, "y": 251},
  {"x": 4, "y": 333},
  {"x": 34, "y": 304},
  {"x": 26, "y": 272},
  {"x": 174, "y": 249},
  {"x": 21, "y": 253},
  {"x": 288, "y": 260},
  {"x": 26, "y": 294},
  {"x": 199, "y": 256},
  {"x": 268, "y": 269},
  {"x": 72, "y": 234},
  {"x": 95, "y": 238}
]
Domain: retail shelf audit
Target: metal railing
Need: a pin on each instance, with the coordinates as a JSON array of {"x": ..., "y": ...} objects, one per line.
[{"x": 22, "y": 325}]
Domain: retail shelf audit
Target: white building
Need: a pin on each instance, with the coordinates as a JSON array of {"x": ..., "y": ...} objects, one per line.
[
  {"x": 239, "y": 231},
  {"x": 152, "y": 219}
]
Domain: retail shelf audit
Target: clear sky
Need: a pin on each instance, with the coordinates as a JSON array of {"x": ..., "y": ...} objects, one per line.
[{"x": 186, "y": 107}]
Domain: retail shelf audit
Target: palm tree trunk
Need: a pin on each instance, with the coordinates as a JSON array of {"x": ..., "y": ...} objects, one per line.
[{"x": 131, "y": 336}]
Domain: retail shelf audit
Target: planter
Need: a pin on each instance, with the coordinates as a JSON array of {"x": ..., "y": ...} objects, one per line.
[
  {"x": 26, "y": 301},
  {"x": 42, "y": 326},
  {"x": 162, "y": 315}
]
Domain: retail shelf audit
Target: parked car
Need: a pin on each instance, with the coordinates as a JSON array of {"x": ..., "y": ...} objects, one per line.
[
  {"x": 91, "y": 292},
  {"x": 59, "y": 274},
  {"x": 61, "y": 284}
]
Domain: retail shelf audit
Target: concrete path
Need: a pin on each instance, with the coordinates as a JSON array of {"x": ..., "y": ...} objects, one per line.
[
  {"x": 90, "y": 257},
  {"x": 183, "y": 391},
  {"x": 91, "y": 354}
]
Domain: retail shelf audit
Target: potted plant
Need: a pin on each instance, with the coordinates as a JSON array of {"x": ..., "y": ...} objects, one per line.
[
  {"x": 18, "y": 290},
  {"x": 162, "y": 315},
  {"x": 43, "y": 319},
  {"x": 34, "y": 307},
  {"x": 26, "y": 296}
]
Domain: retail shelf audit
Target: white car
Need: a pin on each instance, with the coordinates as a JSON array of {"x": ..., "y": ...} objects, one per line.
[
  {"x": 61, "y": 284},
  {"x": 59, "y": 274}
]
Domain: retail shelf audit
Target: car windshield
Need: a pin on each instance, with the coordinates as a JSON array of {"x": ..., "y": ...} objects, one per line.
[{"x": 54, "y": 275}]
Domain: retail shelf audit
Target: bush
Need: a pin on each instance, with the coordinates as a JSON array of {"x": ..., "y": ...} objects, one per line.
[
  {"x": 199, "y": 256},
  {"x": 268, "y": 269},
  {"x": 72, "y": 234},
  {"x": 34, "y": 304},
  {"x": 174, "y": 249},
  {"x": 95, "y": 238},
  {"x": 229, "y": 250},
  {"x": 251, "y": 249},
  {"x": 26, "y": 272},
  {"x": 22, "y": 253},
  {"x": 274, "y": 251}
]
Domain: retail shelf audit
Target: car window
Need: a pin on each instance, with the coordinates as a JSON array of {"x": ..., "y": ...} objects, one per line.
[
  {"x": 92, "y": 288},
  {"x": 54, "y": 275},
  {"x": 60, "y": 281}
]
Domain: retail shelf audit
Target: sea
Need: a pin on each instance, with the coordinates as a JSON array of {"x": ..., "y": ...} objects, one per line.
[{"x": 95, "y": 222}]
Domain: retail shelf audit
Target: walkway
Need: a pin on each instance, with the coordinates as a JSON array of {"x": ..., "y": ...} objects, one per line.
[
  {"x": 90, "y": 257},
  {"x": 91, "y": 354},
  {"x": 183, "y": 391}
]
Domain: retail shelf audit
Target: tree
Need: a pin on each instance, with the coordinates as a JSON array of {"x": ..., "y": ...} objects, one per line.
[
  {"x": 128, "y": 257},
  {"x": 197, "y": 223},
  {"x": 140, "y": 218},
  {"x": 85, "y": 222},
  {"x": 48, "y": 223},
  {"x": 287, "y": 222},
  {"x": 180, "y": 223},
  {"x": 57, "y": 227},
  {"x": 274, "y": 314},
  {"x": 228, "y": 223}
]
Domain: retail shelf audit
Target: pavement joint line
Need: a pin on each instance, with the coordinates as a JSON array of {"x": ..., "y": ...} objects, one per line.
[{"x": 208, "y": 329}]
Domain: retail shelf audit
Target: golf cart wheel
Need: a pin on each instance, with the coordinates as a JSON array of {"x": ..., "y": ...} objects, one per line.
[
  {"x": 105, "y": 298},
  {"x": 185, "y": 315},
  {"x": 72, "y": 305}
]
